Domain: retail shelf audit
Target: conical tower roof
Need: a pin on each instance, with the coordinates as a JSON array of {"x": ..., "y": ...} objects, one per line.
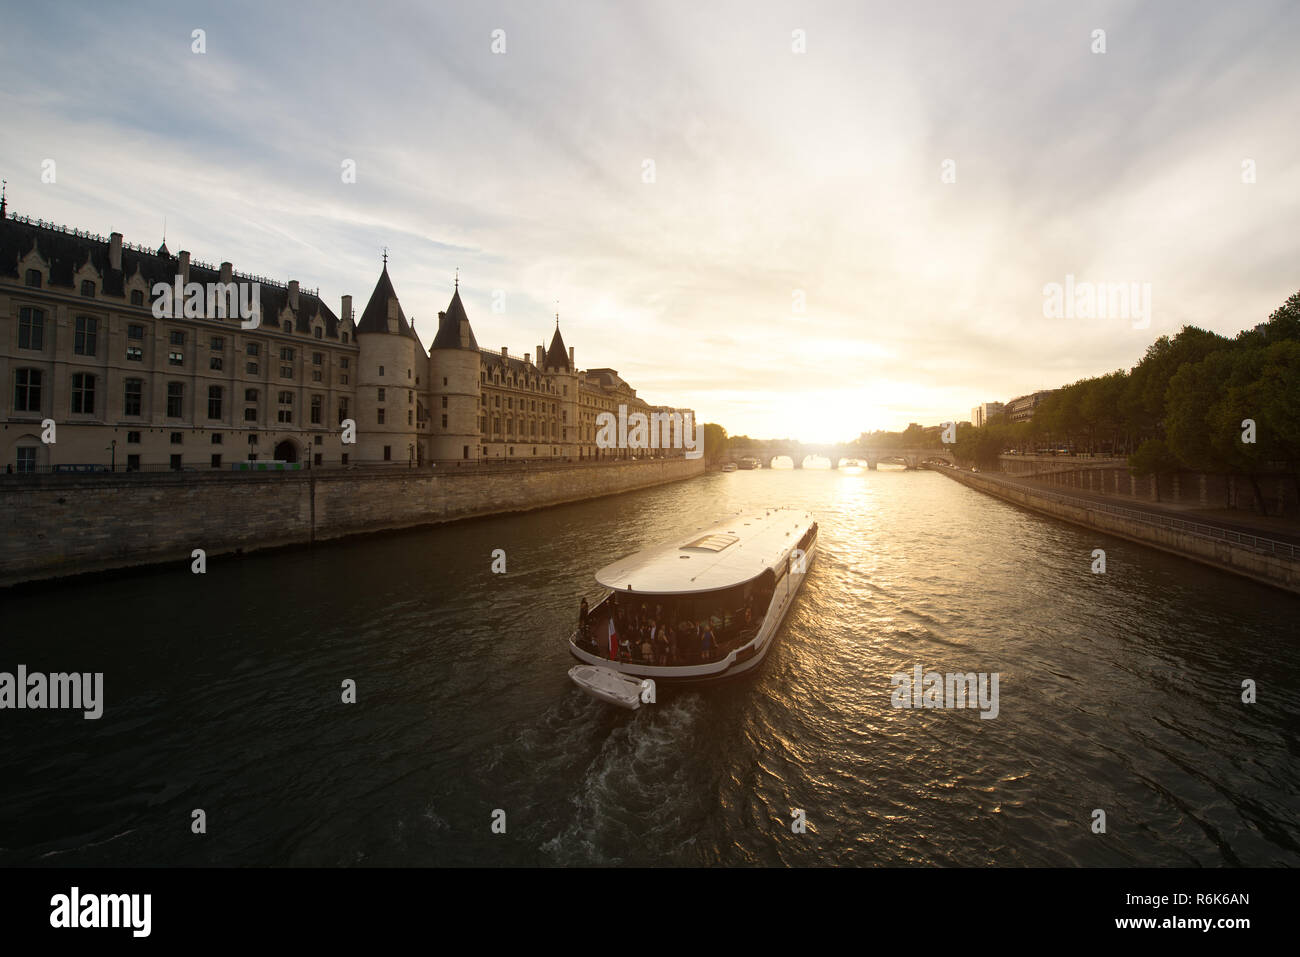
[
  {"x": 557, "y": 356},
  {"x": 449, "y": 327}
]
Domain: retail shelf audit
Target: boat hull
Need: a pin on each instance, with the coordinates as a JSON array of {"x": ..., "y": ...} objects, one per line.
[{"x": 739, "y": 661}]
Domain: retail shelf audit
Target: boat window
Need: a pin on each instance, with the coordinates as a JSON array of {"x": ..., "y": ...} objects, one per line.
[{"x": 712, "y": 543}]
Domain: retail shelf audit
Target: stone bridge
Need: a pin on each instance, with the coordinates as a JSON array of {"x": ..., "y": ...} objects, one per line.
[{"x": 873, "y": 455}]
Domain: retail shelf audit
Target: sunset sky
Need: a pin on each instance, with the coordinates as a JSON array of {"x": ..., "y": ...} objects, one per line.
[{"x": 777, "y": 175}]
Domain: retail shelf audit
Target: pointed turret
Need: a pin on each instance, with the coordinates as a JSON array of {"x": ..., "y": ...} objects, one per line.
[
  {"x": 454, "y": 330},
  {"x": 557, "y": 357}
]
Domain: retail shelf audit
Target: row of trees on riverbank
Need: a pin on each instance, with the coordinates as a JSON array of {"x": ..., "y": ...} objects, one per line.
[{"x": 1197, "y": 401}]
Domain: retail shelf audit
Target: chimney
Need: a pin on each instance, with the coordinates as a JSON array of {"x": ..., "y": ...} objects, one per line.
[
  {"x": 347, "y": 309},
  {"x": 227, "y": 273},
  {"x": 505, "y": 353},
  {"x": 184, "y": 269},
  {"x": 392, "y": 314},
  {"x": 115, "y": 251},
  {"x": 528, "y": 360},
  {"x": 541, "y": 357},
  {"x": 572, "y": 365},
  {"x": 293, "y": 294}
]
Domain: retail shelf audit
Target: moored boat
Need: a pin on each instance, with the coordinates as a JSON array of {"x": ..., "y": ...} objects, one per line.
[
  {"x": 703, "y": 607},
  {"x": 729, "y": 467}
]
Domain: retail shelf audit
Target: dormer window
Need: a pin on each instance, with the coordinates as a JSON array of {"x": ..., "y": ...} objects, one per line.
[
  {"x": 34, "y": 278},
  {"x": 137, "y": 297},
  {"x": 345, "y": 338},
  {"x": 287, "y": 326},
  {"x": 88, "y": 288},
  {"x": 318, "y": 333}
]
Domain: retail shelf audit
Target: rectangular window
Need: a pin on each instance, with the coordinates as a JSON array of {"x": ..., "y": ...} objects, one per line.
[
  {"x": 444, "y": 421},
  {"x": 286, "y": 354},
  {"x": 178, "y": 438},
  {"x": 388, "y": 453},
  {"x": 214, "y": 363},
  {"x": 175, "y": 399},
  {"x": 343, "y": 363},
  {"x": 83, "y": 340},
  {"x": 286, "y": 372},
  {"x": 26, "y": 459},
  {"x": 343, "y": 410},
  {"x": 381, "y": 395},
  {"x": 316, "y": 358},
  {"x": 250, "y": 395},
  {"x": 176, "y": 463},
  {"x": 380, "y": 414},
  {"x": 133, "y": 398},
  {"x": 134, "y": 354},
  {"x": 133, "y": 463},
  {"x": 253, "y": 349},
  {"x": 135, "y": 331},
  {"x": 250, "y": 368},
  {"x": 34, "y": 278},
  {"x": 316, "y": 409},
  {"x": 408, "y": 417},
  {"x": 343, "y": 379},
  {"x": 176, "y": 338},
  {"x": 410, "y": 397},
  {"x": 250, "y": 415},
  {"x": 133, "y": 438},
  {"x": 216, "y": 461},
  {"x": 315, "y": 375},
  {"x": 318, "y": 334},
  {"x": 216, "y": 438},
  {"x": 285, "y": 412},
  {"x": 345, "y": 455},
  {"x": 83, "y": 393},
  {"x": 88, "y": 288},
  {"x": 31, "y": 328},
  {"x": 175, "y": 358},
  {"x": 218, "y": 344},
  {"x": 317, "y": 457},
  {"x": 27, "y": 390},
  {"x": 214, "y": 402},
  {"x": 137, "y": 297},
  {"x": 381, "y": 370}
]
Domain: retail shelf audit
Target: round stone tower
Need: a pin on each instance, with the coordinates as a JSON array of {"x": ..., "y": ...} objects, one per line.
[
  {"x": 391, "y": 362},
  {"x": 454, "y": 366}
]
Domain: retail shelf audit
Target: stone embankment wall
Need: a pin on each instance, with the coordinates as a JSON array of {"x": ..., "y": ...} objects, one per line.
[
  {"x": 57, "y": 525},
  {"x": 1277, "y": 570}
]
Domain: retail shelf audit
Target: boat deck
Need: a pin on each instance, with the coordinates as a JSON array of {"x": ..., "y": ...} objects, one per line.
[{"x": 729, "y": 632}]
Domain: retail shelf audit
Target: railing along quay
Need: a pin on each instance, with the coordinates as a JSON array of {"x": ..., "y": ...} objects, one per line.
[{"x": 1267, "y": 545}]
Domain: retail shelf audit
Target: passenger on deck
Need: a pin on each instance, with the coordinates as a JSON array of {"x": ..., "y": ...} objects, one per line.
[{"x": 706, "y": 641}]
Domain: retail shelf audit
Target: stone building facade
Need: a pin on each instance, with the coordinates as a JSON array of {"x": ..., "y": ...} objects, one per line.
[{"x": 81, "y": 348}]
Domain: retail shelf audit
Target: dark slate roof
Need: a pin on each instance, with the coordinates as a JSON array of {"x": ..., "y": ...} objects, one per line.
[
  {"x": 375, "y": 316},
  {"x": 557, "y": 356},
  {"x": 448, "y": 336},
  {"x": 66, "y": 253}
]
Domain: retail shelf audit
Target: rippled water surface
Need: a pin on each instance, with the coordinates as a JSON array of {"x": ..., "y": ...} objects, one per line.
[{"x": 1118, "y": 691}]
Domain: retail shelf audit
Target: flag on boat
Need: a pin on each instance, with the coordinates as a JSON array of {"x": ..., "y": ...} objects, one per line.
[{"x": 613, "y": 641}]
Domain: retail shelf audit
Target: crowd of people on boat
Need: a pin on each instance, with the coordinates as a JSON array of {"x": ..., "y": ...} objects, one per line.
[{"x": 654, "y": 631}]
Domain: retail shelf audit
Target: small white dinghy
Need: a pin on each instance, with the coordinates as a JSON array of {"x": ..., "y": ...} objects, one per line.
[{"x": 608, "y": 685}]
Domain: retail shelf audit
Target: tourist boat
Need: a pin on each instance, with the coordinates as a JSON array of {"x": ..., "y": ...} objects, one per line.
[
  {"x": 729, "y": 467},
  {"x": 739, "y": 578},
  {"x": 608, "y": 685},
  {"x": 748, "y": 463}
]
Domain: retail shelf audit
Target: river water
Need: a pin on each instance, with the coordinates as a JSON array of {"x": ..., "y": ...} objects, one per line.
[{"x": 1118, "y": 691}]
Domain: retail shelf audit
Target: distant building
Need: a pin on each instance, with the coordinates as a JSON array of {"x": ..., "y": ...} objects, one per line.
[
  {"x": 1021, "y": 408},
  {"x": 981, "y": 414},
  {"x": 80, "y": 345}
]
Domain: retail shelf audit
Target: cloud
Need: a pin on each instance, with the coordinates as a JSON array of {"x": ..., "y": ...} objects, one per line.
[{"x": 775, "y": 173}]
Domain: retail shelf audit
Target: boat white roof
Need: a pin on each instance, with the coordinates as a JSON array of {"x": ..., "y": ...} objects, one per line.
[{"x": 711, "y": 557}]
